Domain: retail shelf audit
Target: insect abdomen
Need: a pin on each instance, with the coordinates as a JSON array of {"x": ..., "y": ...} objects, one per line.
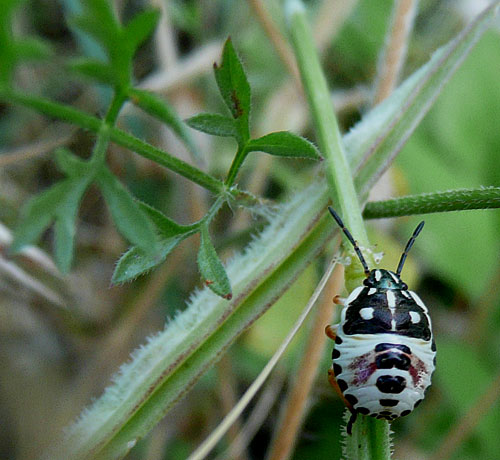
[{"x": 388, "y": 383}]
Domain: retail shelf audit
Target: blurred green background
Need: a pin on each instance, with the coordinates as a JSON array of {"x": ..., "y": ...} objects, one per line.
[{"x": 62, "y": 337}]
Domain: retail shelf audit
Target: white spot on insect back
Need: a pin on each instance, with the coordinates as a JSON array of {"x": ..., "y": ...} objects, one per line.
[
  {"x": 353, "y": 295},
  {"x": 378, "y": 275},
  {"x": 405, "y": 294},
  {"x": 391, "y": 301},
  {"x": 394, "y": 277},
  {"x": 415, "y": 317},
  {"x": 366, "y": 313},
  {"x": 371, "y": 291}
]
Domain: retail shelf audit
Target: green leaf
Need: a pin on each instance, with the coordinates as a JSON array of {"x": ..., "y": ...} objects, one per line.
[
  {"x": 284, "y": 144},
  {"x": 167, "y": 227},
  {"x": 95, "y": 69},
  {"x": 132, "y": 223},
  {"x": 65, "y": 225},
  {"x": 12, "y": 49},
  {"x": 159, "y": 108},
  {"x": 139, "y": 28},
  {"x": 120, "y": 43},
  {"x": 60, "y": 202},
  {"x": 70, "y": 164},
  {"x": 102, "y": 13},
  {"x": 214, "y": 124},
  {"x": 37, "y": 215},
  {"x": 234, "y": 88},
  {"x": 211, "y": 268},
  {"x": 32, "y": 48},
  {"x": 104, "y": 33},
  {"x": 136, "y": 262}
]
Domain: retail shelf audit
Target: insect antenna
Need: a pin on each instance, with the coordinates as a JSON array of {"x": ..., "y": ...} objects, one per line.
[
  {"x": 351, "y": 239},
  {"x": 408, "y": 247}
]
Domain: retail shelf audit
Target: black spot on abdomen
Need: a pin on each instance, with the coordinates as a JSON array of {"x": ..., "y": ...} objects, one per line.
[
  {"x": 391, "y": 383},
  {"x": 388, "y": 346},
  {"x": 352, "y": 399},
  {"x": 342, "y": 384},
  {"x": 389, "y": 402},
  {"x": 392, "y": 359}
]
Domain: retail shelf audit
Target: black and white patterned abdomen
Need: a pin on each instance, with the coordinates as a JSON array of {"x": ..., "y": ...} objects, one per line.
[{"x": 384, "y": 354}]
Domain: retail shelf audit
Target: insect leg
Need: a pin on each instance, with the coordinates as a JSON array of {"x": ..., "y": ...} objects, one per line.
[
  {"x": 338, "y": 300},
  {"x": 335, "y": 386},
  {"x": 331, "y": 331}
]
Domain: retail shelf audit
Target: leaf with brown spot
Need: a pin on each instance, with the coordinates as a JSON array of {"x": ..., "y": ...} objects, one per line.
[{"x": 234, "y": 89}]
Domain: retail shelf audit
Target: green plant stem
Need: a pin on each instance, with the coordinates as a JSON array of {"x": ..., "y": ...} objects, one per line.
[
  {"x": 235, "y": 166},
  {"x": 364, "y": 444},
  {"x": 373, "y": 436},
  {"x": 426, "y": 203},
  {"x": 90, "y": 123},
  {"x": 101, "y": 146},
  {"x": 338, "y": 172},
  {"x": 119, "y": 98}
]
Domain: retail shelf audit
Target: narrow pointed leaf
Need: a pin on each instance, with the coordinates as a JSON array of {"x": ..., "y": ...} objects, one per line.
[
  {"x": 32, "y": 48},
  {"x": 211, "y": 268},
  {"x": 162, "y": 110},
  {"x": 94, "y": 69},
  {"x": 214, "y": 124},
  {"x": 65, "y": 225},
  {"x": 234, "y": 88},
  {"x": 136, "y": 262},
  {"x": 102, "y": 32},
  {"x": 37, "y": 215},
  {"x": 132, "y": 223},
  {"x": 101, "y": 11},
  {"x": 139, "y": 28},
  {"x": 166, "y": 226},
  {"x": 284, "y": 144}
]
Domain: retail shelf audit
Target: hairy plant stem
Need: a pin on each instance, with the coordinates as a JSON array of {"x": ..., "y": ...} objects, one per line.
[
  {"x": 426, "y": 203},
  {"x": 342, "y": 191}
]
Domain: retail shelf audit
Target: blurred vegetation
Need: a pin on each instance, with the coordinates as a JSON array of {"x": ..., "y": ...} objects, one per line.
[{"x": 63, "y": 336}]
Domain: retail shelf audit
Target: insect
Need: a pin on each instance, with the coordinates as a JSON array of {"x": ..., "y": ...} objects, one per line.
[{"x": 384, "y": 352}]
